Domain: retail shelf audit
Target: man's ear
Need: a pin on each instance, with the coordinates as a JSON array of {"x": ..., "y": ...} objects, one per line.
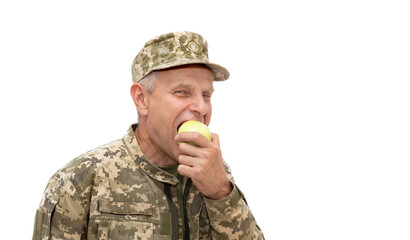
[{"x": 140, "y": 97}]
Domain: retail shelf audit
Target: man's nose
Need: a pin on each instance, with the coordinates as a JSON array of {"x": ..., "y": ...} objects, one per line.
[{"x": 199, "y": 105}]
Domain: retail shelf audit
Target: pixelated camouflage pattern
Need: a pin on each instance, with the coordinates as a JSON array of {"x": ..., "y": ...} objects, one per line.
[
  {"x": 171, "y": 50},
  {"x": 114, "y": 192}
]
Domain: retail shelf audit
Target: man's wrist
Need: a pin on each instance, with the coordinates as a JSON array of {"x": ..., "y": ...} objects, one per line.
[
  {"x": 222, "y": 192},
  {"x": 224, "y": 205}
]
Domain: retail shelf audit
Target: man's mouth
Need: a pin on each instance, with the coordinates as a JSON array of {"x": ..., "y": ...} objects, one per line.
[{"x": 179, "y": 126}]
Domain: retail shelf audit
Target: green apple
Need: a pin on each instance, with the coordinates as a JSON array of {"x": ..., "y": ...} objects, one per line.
[{"x": 195, "y": 126}]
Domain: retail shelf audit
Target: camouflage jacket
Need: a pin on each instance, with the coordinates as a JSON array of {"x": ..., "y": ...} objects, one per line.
[{"x": 114, "y": 192}]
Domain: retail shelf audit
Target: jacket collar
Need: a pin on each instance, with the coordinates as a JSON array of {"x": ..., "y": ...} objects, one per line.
[{"x": 150, "y": 169}]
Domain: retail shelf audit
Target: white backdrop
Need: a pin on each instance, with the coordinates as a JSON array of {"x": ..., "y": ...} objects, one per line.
[{"x": 314, "y": 120}]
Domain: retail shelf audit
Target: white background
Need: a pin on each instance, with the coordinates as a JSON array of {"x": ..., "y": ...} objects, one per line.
[{"x": 314, "y": 121}]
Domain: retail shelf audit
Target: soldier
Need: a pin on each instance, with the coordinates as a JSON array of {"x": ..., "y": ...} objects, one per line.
[{"x": 146, "y": 185}]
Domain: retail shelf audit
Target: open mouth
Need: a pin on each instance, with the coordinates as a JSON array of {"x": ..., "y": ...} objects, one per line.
[{"x": 179, "y": 126}]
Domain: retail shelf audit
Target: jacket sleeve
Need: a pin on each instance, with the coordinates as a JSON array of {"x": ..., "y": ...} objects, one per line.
[
  {"x": 231, "y": 218},
  {"x": 63, "y": 211}
]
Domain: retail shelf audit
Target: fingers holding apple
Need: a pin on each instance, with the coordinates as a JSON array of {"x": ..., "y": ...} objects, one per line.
[{"x": 201, "y": 160}]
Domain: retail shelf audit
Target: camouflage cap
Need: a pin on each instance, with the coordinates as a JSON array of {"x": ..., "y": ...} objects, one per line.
[{"x": 171, "y": 50}]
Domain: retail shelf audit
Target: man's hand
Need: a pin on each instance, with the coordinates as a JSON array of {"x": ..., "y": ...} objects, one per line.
[{"x": 203, "y": 164}]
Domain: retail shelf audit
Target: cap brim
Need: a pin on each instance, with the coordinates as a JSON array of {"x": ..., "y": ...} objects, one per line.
[{"x": 220, "y": 73}]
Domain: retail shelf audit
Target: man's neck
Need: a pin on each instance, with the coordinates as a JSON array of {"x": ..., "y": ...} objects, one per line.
[{"x": 151, "y": 152}]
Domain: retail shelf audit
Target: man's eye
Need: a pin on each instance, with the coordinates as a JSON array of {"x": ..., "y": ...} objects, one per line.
[{"x": 181, "y": 92}]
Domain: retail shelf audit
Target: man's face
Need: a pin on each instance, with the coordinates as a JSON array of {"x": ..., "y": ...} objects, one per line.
[{"x": 180, "y": 94}]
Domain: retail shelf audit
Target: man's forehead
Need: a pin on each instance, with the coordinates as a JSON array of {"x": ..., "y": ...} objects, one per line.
[{"x": 189, "y": 85}]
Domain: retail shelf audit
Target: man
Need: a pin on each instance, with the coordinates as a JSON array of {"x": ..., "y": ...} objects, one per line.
[{"x": 147, "y": 185}]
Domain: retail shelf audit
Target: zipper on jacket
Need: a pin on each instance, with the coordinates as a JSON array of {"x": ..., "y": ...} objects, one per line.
[{"x": 174, "y": 212}]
